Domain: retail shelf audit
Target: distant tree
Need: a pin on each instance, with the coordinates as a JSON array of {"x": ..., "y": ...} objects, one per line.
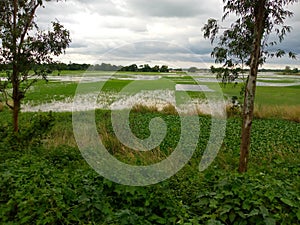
[
  {"x": 295, "y": 70},
  {"x": 164, "y": 69},
  {"x": 146, "y": 68},
  {"x": 192, "y": 69},
  {"x": 133, "y": 68},
  {"x": 246, "y": 42},
  {"x": 155, "y": 68},
  {"x": 24, "y": 45},
  {"x": 287, "y": 70}
]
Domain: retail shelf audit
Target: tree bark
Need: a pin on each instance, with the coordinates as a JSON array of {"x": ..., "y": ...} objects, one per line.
[
  {"x": 16, "y": 97},
  {"x": 15, "y": 72},
  {"x": 248, "y": 109},
  {"x": 16, "y": 109}
]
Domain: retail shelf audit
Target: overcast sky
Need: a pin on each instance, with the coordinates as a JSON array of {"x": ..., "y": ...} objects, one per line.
[{"x": 146, "y": 31}]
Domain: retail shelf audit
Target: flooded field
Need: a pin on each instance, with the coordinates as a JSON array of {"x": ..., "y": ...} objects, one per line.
[{"x": 152, "y": 91}]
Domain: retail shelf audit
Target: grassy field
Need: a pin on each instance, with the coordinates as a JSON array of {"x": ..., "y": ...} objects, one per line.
[
  {"x": 44, "y": 178},
  {"x": 45, "y": 92},
  {"x": 269, "y": 95}
]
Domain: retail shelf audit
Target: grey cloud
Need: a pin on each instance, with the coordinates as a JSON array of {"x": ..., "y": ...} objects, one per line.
[
  {"x": 125, "y": 21},
  {"x": 145, "y": 51},
  {"x": 78, "y": 44},
  {"x": 170, "y": 8}
]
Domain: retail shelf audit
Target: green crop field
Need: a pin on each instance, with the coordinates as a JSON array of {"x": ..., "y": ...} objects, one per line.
[
  {"x": 44, "y": 178},
  {"x": 45, "y": 92}
]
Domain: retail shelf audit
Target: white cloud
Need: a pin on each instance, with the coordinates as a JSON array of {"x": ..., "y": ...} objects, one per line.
[{"x": 98, "y": 26}]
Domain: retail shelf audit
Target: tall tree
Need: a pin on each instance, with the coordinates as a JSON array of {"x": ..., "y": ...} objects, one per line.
[
  {"x": 246, "y": 42},
  {"x": 24, "y": 45}
]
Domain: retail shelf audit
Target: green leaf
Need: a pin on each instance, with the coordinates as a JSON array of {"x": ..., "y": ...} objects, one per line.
[
  {"x": 264, "y": 211},
  {"x": 270, "y": 221},
  {"x": 232, "y": 216},
  {"x": 226, "y": 209},
  {"x": 254, "y": 212},
  {"x": 158, "y": 219},
  {"x": 298, "y": 214},
  {"x": 287, "y": 202}
]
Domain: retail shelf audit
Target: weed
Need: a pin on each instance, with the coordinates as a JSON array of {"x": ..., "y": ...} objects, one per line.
[
  {"x": 284, "y": 112},
  {"x": 141, "y": 108}
]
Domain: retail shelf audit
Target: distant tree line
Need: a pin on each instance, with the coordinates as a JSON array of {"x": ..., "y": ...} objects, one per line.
[
  {"x": 213, "y": 69},
  {"x": 145, "y": 68},
  {"x": 49, "y": 68},
  {"x": 70, "y": 66},
  {"x": 289, "y": 70},
  {"x": 84, "y": 66}
]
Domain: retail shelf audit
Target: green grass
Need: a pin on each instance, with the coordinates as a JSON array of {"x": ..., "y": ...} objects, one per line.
[
  {"x": 49, "y": 182},
  {"x": 46, "y": 92},
  {"x": 142, "y": 85},
  {"x": 278, "y": 95},
  {"x": 136, "y": 73},
  {"x": 278, "y": 81},
  {"x": 268, "y": 95}
]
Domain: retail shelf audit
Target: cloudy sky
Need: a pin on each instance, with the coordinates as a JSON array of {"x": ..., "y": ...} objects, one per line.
[{"x": 146, "y": 31}]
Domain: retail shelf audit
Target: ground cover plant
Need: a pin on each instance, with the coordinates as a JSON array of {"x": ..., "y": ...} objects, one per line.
[
  {"x": 45, "y": 180},
  {"x": 48, "y": 181}
]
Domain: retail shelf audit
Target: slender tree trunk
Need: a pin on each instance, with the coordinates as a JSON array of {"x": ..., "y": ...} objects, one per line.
[
  {"x": 15, "y": 72},
  {"x": 248, "y": 109},
  {"x": 16, "y": 98},
  {"x": 16, "y": 109}
]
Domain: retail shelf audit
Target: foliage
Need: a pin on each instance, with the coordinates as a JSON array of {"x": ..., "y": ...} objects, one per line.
[
  {"x": 30, "y": 135},
  {"x": 24, "y": 46},
  {"x": 145, "y": 68},
  {"x": 235, "y": 44},
  {"x": 247, "y": 41},
  {"x": 54, "y": 185}
]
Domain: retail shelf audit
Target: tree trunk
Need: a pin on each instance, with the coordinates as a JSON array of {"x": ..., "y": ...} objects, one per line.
[
  {"x": 15, "y": 72},
  {"x": 248, "y": 109},
  {"x": 16, "y": 98},
  {"x": 16, "y": 109}
]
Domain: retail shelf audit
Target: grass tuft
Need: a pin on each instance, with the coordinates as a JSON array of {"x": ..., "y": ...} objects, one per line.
[
  {"x": 140, "y": 108},
  {"x": 286, "y": 112},
  {"x": 169, "y": 109},
  {"x": 127, "y": 155}
]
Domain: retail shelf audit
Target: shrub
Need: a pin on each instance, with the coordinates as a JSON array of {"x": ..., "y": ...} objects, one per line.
[{"x": 31, "y": 133}]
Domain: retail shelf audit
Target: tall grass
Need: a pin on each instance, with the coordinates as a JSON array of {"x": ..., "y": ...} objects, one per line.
[
  {"x": 127, "y": 155},
  {"x": 286, "y": 112},
  {"x": 144, "y": 108}
]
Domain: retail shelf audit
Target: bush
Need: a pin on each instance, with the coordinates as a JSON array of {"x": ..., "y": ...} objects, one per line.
[{"x": 31, "y": 133}]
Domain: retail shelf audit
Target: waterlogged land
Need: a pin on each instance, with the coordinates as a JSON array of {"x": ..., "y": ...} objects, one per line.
[
  {"x": 44, "y": 178},
  {"x": 58, "y": 93}
]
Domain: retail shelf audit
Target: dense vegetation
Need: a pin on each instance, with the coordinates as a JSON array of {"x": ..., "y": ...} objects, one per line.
[
  {"x": 45, "y": 180},
  {"x": 145, "y": 68},
  {"x": 60, "y": 68}
]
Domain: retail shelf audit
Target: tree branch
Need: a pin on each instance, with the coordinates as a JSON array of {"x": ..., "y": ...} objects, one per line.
[{"x": 28, "y": 24}]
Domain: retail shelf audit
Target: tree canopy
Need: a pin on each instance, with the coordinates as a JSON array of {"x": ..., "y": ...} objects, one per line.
[
  {"x": 249, "y": 42},
  {"x": 234, "y": 45},
  {"x": 24, "y": 45}
]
